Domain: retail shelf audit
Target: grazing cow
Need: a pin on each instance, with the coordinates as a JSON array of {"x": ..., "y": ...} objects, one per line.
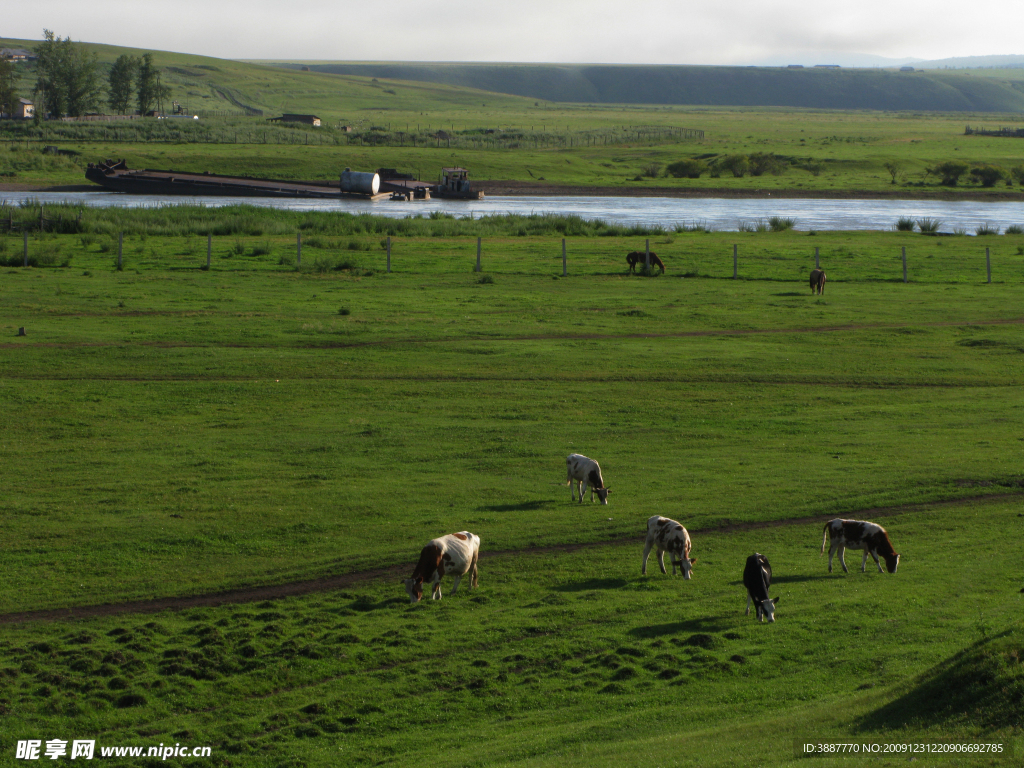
[
  {"x": 582, "y": 471},
  {"x": 757, "y": 578},
  {"x": 817, "y": 281},
  {"x": 856, "y": 534},
  {"x": 640, "y": 257},
  {"x": 455, "y": 554},
  {"x": 668, "y": 536}
]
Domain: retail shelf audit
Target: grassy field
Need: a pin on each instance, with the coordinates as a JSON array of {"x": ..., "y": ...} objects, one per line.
[
  {"x": 505, "y": 137},
  {"x": 173, "y": 431}
]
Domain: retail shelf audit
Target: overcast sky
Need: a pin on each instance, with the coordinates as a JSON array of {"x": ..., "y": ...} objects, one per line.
[{"x": 581, "y": 31}]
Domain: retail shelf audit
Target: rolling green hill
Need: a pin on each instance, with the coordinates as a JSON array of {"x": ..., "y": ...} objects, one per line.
[
  {"x": 209, "y": 85},
  {"x": 714, "y": 86}
]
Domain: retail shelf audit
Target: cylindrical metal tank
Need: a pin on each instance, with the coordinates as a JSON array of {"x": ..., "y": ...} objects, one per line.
[{"x": 361, "y": 183}]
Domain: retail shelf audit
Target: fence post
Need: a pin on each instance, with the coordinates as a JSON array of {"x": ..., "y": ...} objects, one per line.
[
  {"x": 120, "y": 248},
  {"x": 735, "y": 264},
  {"x": 26, "y": 247},
  {"x": 564, "y": 273},
  {"x": 816, "y": 265},
  {"x": 389, "y": 254},
  {"x": 647, "y": 254},
  {"x": 209, "y": 249},
  {"x": 298, "y": 249},
  {"x": 988, "y": 265},
  {"x": 42, "y": 220},
  {"x": 904, "y": 263},
  {"x": 478, "y": 254}
]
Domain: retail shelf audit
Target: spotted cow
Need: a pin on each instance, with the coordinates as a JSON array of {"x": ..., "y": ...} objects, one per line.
[
  {"x": 668, "y": 536},
  {"x": 856, "y": 534},
  {"x": 757, "y": 578},
  {"x": 817, "y": 281},
  {"x": 455, "y": 555},
  {"x": 581, "y": 472}
]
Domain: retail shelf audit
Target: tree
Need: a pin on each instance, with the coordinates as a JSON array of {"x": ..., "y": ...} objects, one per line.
[
  {"x": 895, "y": 170},
  {"x": 8, "y": 87},
  {"x": 765, "y": 162},
  {"x": 122, "y": 83},
  {"x": 151, "y": 92},
  {"x": 987, "y": 175},
  {"x": 68, "y": 77},
  {"x": 738, "y": 165},
  {"x": 687, "y": 169},
  {"x": 950, "y": 171}
]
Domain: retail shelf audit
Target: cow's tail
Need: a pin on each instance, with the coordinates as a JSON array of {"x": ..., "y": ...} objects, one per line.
[{"x": 824, "y": 537}]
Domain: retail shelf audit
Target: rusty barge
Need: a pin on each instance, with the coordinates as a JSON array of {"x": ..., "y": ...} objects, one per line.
[
  {"x": 386, "y": 183},
  {"x": 117, "y": 177}
]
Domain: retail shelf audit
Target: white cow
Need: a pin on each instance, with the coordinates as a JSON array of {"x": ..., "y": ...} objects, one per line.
[
  {"x": 580, "y": 471},
  {"x": 668, "y": 536},
  {"x": 455, "y": 554}
]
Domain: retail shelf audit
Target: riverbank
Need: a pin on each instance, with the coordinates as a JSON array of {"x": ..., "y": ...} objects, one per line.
[
  {"x": 514, "y": 188},
  {"x": 511, "y": 188}
]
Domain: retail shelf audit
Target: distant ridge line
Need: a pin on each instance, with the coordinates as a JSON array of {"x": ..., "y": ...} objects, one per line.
[{"x": 806, "y": 87}]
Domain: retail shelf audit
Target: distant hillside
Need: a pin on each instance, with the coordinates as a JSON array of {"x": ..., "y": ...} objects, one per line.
[
  {"x": 970, "y": 62},
  {"x": 213, "y": 86},
  {"x": 713, "y": 86}
]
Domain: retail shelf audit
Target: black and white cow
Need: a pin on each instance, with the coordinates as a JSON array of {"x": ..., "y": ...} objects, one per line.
[
  {"x": 668, "y": 536},
  {"x": 455, "y": 554},
  {"x": 582, "y": 471},
  {"x": 757, "y": 578},
  {"x": 857, "y": 534}
]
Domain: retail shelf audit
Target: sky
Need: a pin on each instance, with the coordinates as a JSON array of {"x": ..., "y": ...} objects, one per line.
[{"x": 557, "y": 31}]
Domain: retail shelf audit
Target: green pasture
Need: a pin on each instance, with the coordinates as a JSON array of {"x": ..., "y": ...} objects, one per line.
[
  {"x": 830, "y": 152},
  {"x": 370, "y": 123},
  {"x": 563, "y": 658},
  {"x": 171, "y": 430}
]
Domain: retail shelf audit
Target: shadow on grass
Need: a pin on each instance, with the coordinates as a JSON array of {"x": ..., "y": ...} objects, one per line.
[
  {"x": 706, "y": 624},
  {"x": 363, "y": 604},
  {"x": 585, "y": 586},
  {"x": 798, "y": 579},
  {"x": 523, "y": 506},
  {"x": 790, "y": 293},
  {"x": 981, "y": 686}
]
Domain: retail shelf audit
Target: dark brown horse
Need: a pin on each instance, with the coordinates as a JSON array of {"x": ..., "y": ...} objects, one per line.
[
  {"x": 640, "y": 257},
  {"x": 817, "y": 281}
]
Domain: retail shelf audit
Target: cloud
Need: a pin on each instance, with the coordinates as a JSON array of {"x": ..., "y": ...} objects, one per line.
[{"x": 639, "y": 31}]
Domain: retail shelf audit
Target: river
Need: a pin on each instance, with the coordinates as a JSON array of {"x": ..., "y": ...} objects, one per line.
[{"x": 713, "y": 213}]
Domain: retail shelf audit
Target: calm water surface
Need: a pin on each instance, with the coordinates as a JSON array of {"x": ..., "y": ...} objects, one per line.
[{"x": 716, "y": 213}]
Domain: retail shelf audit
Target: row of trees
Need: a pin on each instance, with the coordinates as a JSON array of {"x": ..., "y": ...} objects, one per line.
[
  {"x": 756, "y": 164},
  {"x": 135, "y": 78},
  {"x": 985, "y": 174},
  {"x": 69, "y": 81}
]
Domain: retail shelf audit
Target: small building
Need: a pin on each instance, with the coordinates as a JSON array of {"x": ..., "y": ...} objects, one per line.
[
  {"x": 17, "y": 54},
  {"x": 24, "y": 109},
  {"x": 795, "y": 66},
  {"x": 907, "y": 69},
  {"x": 290, "y": 118}
]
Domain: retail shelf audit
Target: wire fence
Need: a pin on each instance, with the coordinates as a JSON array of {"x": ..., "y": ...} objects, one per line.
[{"x": 687, "y": 257}]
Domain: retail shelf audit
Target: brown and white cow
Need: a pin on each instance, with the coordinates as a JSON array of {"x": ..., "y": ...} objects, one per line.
[
  {"x": 857, "y": 534},
  {"x": 668, "y": 536},
  {"x": 817, "y": 281},
  {"x": 455, "y": 555},
  {"x": 757, "y": 578},
  {"x": 581, "y": 471}
]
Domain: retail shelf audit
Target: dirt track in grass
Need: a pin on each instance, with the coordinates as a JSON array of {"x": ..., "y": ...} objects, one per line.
[{"x": 343, "y": 581}]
